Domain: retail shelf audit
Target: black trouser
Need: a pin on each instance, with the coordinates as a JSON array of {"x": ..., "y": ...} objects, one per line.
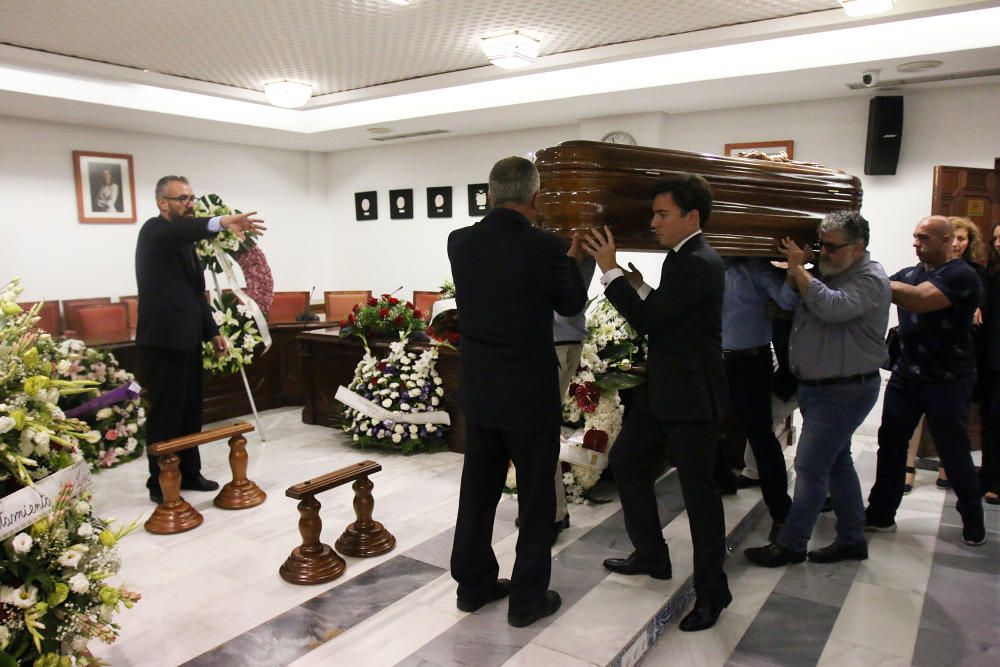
[
  {"x": 473, "y": 563},
  {"x": 989, "y": 473},
  {"x": 633, "y": 460},
  {"x": 945, "y": 405},
  {"x": 750, "y": 403},
  {"x": 172, "y": 379}
]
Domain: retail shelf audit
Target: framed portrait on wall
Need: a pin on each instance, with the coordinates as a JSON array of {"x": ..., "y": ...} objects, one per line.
[
  {"x": 439, "y": 202},
  {"x": 478, "y": 200},
  {"x": 105, "y": 187},
  {"x": 786, "y": 146},
  {"x": 401, "y": 204},
  {"x": 366, "y": 205}
]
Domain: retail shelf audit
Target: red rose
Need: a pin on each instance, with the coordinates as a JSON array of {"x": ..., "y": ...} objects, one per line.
[
  {"x": 372, "y": 301},
  {"x": 393, "y": 301},
  {"x": 399, "y": 320},
  {"x": 417, "y": 314},
  {"x": 350, "y": 318},
  {"x": 356, "y": 308},
  {"x": 409, "y": 305},
  {"x": 111, "y": 435},
  {"x": 384, "y": 312}
]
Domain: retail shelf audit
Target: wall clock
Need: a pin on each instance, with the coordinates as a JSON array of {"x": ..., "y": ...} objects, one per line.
[{"x": 619, "y": 137}]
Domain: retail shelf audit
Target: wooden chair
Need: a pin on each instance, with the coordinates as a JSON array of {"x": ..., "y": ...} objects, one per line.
[
  {"x": 49, "y": 314},
  {"x": 287, "y": 306},
  {"x": 70, "y": 307},
  {"x": 133, "y": 309},
  {"x": 339, "y": 303},
  {"x": 103, "y": 322},
  {"x": 424, "y": 302}
]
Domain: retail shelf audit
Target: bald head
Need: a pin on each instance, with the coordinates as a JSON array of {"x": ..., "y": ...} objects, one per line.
[{"x": 932, "y": 240}]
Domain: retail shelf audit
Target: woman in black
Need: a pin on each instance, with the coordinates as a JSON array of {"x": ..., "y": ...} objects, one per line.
[{"x": 989, "y": 473}]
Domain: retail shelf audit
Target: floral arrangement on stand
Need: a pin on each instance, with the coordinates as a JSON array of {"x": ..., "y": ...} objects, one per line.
[
  {"x": 54, "y": 595},
  {"x": 443, "y": 327},
  {"x": 592, "y": 408},
  {"x": 404, "y": 383},
  {"x": 52, "y": 599},
  {"x": 234, "y": 319},
  {"x": 383, "y": 317},
  {"x": 122, "y": 423}
]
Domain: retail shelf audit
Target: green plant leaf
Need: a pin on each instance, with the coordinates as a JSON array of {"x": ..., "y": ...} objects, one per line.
[{"x": 618, "y": 380}]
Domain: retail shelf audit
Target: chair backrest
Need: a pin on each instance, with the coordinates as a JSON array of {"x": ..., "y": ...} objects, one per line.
[
  {"x": 133, "y": 309},
  {"x": 71, "y": 307},
  {"x": 103, "y": 322},
  {"x": 286, "y": 306},
  {"x": 49, "y": 316},
  {"x": 424, "y": 301},
  {"x": 339, "y": 303}
]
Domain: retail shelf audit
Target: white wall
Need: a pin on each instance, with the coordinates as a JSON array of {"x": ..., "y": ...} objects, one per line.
[
  {"x": 308, "y": 198},
  {"x": 57, "y": 257}
]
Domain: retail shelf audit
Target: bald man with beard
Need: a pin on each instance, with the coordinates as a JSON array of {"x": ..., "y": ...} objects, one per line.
[{"x": 934, "y": 376}]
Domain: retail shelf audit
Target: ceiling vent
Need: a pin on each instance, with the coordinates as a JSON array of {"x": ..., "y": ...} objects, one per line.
[
  {"x": 933, "y": 78},
  {"x": 409, "y": 135}
]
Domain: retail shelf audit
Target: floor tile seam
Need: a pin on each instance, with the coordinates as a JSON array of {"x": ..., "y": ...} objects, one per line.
[{"x": 906, "y": 654}]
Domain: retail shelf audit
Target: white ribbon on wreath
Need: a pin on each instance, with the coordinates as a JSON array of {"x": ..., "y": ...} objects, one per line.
[{"x": 255, "y": 312}]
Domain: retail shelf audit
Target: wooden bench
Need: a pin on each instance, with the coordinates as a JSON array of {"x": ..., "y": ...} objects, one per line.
[
  {"x": 176, "y": 515},
  {"x": 314, "y": 562}
]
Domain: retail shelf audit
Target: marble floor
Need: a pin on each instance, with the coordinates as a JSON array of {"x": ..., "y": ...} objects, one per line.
[{"x": 213, "y": 597}]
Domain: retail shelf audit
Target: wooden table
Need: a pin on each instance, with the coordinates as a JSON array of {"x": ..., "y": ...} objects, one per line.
[{"x": 328, "y": 361}]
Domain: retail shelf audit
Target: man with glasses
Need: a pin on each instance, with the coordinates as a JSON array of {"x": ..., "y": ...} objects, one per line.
[
  {"x": 836, "y": 347},
  {"x": 174, "y": 319},
  {"x": 934, "y": 376}
]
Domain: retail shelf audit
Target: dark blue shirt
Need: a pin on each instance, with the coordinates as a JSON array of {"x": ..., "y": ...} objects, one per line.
[{"x": 938, "y": 345}]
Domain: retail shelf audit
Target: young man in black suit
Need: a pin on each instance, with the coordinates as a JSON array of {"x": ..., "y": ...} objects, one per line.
[
  {"x": 509, "y": 278},
  {"x": 685, "y": 392},
  {"x": 174, "y": 319}
]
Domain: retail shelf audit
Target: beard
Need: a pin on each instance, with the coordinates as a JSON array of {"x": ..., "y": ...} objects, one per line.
[
  {"x": 187, "y": 214},
  {"x": 828, "y": 268}
]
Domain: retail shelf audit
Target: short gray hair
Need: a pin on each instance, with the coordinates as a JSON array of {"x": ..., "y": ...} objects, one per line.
[
  {"x": 853, "y": 224},
  {"x": 513, "y": 180},
  {"x": 161, "y": 185}
]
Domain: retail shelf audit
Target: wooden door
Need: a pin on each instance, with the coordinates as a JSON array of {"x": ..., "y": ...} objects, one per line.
[{"x": 968, "y": 192}]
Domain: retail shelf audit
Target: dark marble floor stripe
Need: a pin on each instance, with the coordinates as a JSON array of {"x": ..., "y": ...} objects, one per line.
[
  {"x": 959, "y": 620},
  {"x": 484, "y": 639},
  {"x": 289, "y": 636}
]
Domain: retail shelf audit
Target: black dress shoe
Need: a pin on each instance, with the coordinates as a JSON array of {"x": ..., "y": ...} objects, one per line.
[
  {"x": 558, "y": 527},
  {"x": 547, "y": 608},
  {"x": 156, "y": 495},
  {"x": 634, "y": 565},
  {"x": 745, "y": 482},
  {"x": 198, "y": 483},
  {"x": 773, "y": 555},
  {"x": 837, "y": 552},
  {"x": 501, "y": 589},
  {"x": 704, "y": 615}
]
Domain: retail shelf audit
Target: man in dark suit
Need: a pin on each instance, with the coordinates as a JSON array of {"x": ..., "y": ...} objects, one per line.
[
  {"x": 509, "y": 277},
  {"x": 685, "y": 392},
  {"x": 174, "y": 319}
]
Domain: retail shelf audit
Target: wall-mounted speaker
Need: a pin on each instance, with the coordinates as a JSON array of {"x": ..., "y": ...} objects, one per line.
[{"x": 885, "y": 134}]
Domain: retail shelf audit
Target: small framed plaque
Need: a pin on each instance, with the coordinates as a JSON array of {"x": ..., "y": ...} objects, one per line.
[
  {"x": 366, "y": 205},
  {"x": 439, "y": 202},
  {"x": 478, "y": 200},
  {"x": 401, "y": 204}
]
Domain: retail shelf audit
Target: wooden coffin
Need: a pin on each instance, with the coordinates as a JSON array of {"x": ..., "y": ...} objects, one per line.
[{"x": 588, "y": 184}]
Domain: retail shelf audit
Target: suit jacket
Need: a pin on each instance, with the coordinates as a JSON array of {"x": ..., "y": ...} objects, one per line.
[
  {"x": 173, "y": 311},
  {"x": 683, "y": 317},
  {"x": 509, "y": 278}
]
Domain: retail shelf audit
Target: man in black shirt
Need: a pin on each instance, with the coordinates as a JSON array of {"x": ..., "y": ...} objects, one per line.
[{"x": 934, "y": 376}]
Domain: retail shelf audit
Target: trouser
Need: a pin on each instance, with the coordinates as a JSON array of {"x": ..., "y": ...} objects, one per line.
[
  {"x": 473, "y": 563},
  {"x": 173, "y": 383},
  {"x": 634, "y": 458},
  {"x": 569, "y": 361},
  {"x": 749, "y": 379},
  {"x": 823, "y": 463},
  {"x": 989, "y": 472},
  {"x": 945, "y": 405}
]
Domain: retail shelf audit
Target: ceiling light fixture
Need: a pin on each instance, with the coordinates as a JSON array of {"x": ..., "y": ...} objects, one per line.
[
  {"x": 512, "y": 50},
  {"x": 404, "y": 3},
  {"x": 865, "y": 7},
  {"x": 287, "y": 94},
  {"x": 918, "y": 66}
]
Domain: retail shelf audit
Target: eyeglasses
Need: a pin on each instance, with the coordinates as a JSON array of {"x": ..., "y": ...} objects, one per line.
[
  {"x": 183, "y": 198},
  {"x": 829, "y": 247}
]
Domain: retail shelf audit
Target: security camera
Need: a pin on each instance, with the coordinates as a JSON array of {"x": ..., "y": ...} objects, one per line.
[{"x": 870, "y": 78}]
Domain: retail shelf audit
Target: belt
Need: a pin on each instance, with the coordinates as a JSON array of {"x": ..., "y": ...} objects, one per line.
[
  {"x": 749, "y": 352},
  {"x": 847, "y": 379}
]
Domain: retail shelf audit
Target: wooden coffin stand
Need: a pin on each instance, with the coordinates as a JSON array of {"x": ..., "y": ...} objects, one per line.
[{"x": 586, "y": 184}]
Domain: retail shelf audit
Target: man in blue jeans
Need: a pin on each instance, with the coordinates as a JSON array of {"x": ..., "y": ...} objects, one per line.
[
  {"x": 934, "y": 376},
  {"x": 836, "y": 347}
]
